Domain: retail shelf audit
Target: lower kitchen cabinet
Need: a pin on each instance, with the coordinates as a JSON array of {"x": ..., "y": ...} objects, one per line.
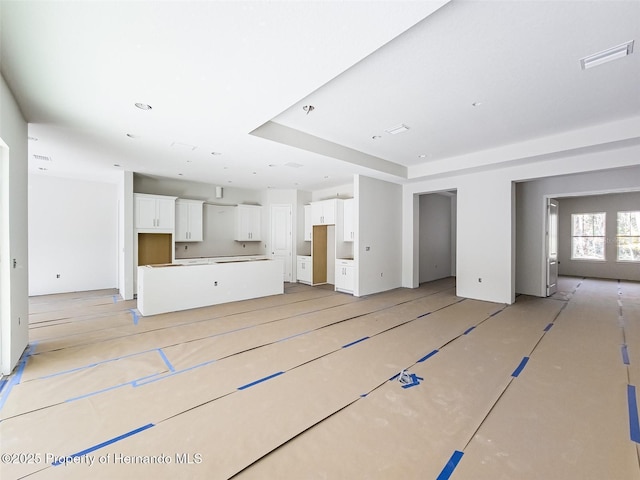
[{"x": 345, "y": 275}]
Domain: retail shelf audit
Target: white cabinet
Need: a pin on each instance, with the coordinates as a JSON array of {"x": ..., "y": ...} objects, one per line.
[
  {"x": 348, "y": 221},
  {"x": 324, "y": 212},
  {"x": 189, "y": 220},
  {"x": 345, "y": 276},
  {"x": 308, "y": 224},
  {"x": 305, "y": 269},
  {"x": 248, "y": 223},
  {"x": 154, "y": 212}
]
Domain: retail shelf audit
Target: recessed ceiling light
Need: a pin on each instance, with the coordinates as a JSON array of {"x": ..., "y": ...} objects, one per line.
[
  {"x": 326, "y": 176},
  {"x": 143, "y": 106},
  {"x": 116, "y": 164},
  {"x": 180, "y": 174},
  {"x": 131, "y": 135},
  {"x": 33, "y": 139},
  {"x": 216, "y": 153},
  {"x": 607, "y": 55},
  {"x": 273, "y": 165},
  {"x": 476, "y": 104},
  {"x": 397, "y": 129},
  {"x": 422, "y": 155},
  {"x": 376, "y": 137},
  {"x": 254, "y": 173},
  {"x": 229, "y": 181}
]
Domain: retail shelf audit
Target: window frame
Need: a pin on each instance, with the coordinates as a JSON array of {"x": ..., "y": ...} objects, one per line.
[
  {"x": 618, "y": 236},
  {"x": 603, "y": 237}
]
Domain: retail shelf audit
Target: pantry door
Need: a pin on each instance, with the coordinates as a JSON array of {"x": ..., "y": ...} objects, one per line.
[{"x": 281, "y": 244}]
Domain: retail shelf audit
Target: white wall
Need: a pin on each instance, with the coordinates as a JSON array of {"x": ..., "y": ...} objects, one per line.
[
  {"x": 125, "y": 235},
  {"x": 486, "y": 220},
  {"x": 435, "y": 237},
  {"x": 14, "y": 305},
  {"x": 73, "y": 227},
  {"x": 378, "y": 217},
  {"x": 609, "y": 268}
]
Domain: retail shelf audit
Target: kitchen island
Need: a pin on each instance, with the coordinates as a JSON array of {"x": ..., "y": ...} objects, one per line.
[{"x": 181, "y": 286}]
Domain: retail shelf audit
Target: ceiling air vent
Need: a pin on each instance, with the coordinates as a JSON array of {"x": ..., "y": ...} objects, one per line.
[
  {"x": 608, "y": 55},
  {"x": 44, "y": 158}
]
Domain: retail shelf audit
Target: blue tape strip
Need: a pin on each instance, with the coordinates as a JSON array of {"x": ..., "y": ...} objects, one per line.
[
  {"x": 468, "y": 330},
  {"x": 17, "y": 377},
  {"x": 260, "y": 381},
  {"x": 451, "y": 465},
  {"x": 3, "y": 382},
  {"x": 625, "y": 355},
  {"x": 634, "y": 424},
  {"x": 103, "y": 444},
  {"x": 115, "y": 299},
  {"x": 166, "y": 360},
  {"x": 353, "y": 343},
  {"x": 548, "y": 327},
  {"x": 517, "y": 371},
  {"x": 135, "y": 315},
  {"x": 427, "y": 356}
]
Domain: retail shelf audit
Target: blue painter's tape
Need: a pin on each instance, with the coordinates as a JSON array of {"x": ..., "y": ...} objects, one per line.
[
  {"x": 166, "y": 360},
  {"x": 451, "y": 465},
  {"x": 135, "y": 315},
  {"x": 625, "y": 355},
  {"x": 634, "y": 424},
  {"x": 17, "y": 377},
  {"x": 427, "y": 356},
  {"x": 260, "y": 381},
  {"x": 394, "y": 377},
  {"x": 115, "y": 299},
  {"x": 104, "y": 444},
  {"x": 3, "y": 382},
  {"x": 468, "y": 330},
  {"x": 353, "y": 343},
  {"x": 517, "y": 371},
  {"x": 548, "y": 327}
]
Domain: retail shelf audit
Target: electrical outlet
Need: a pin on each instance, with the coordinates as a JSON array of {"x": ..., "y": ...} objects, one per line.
[
  {"x": 215, "y": 284},
  {"x": 57, "y": 275}
]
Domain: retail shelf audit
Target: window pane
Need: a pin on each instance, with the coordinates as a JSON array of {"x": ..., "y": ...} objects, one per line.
[
  {"x": 629, "y": 223},
  {"x": 591, "y": 248},
  {"x": 588, "y": 224},
  {"x": 629, "y": 249}
]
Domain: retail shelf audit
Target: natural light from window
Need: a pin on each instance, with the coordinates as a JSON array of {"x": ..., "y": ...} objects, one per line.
[
  {"x": 628, "y": 236},
  {"x": 588, "y": 236}
]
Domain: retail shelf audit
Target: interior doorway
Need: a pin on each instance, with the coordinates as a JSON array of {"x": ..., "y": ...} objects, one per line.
[{"x": 437, "y": 235}]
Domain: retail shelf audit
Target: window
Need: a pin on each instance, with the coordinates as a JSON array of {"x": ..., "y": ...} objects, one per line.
[
  {"x": 587, "y": 236},
  {"x": 628, "y": 234}
]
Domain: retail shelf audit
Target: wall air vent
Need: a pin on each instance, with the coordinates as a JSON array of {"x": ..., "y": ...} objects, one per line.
[
  {"x": 43, "y": 158},
  {"x": 607, "y": 55}
]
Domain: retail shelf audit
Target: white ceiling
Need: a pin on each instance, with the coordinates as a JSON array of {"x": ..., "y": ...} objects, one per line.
[{"x": 215, "y": 72}]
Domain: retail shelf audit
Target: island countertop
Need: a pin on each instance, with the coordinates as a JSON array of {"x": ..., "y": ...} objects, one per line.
[{"x": 180, "y": 286}]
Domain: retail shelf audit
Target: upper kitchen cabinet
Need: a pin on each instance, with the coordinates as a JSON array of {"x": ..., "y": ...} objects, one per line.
[
  {"x": 324, "y": 212},
  {"x": 189, "y": 220},
  {"x": 248, "y": 223},
  {"x": 308, "y": 224},
  {"x": 348, "y": 221},
  {"x": 154, "y": 212}
]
